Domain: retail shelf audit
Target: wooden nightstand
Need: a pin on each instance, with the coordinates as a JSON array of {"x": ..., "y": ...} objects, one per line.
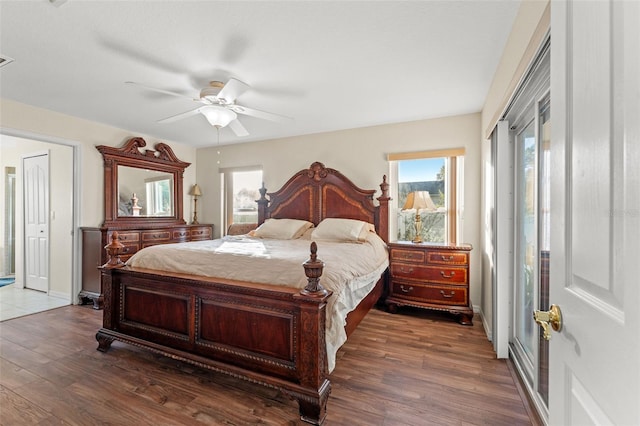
[{"x": 430, "y": 276}]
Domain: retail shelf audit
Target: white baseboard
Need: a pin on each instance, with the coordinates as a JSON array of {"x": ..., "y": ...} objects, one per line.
[
  {"x": 485, "y": 325},
  {"x": 60, "y": 295}
]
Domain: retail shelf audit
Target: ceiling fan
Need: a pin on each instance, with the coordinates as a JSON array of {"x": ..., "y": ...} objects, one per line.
[{"x": 219, "y": 105}]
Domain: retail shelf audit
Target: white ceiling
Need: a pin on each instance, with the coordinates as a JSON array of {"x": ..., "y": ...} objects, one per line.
[{"x": 329, "y": 65}]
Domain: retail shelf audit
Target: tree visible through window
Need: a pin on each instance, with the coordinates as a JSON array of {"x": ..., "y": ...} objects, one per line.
[
  {"x": 427, "y": 177},
  {"x": 428, "y": 184}
]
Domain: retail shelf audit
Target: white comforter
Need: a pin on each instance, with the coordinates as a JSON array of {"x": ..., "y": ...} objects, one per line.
[{"x": 351, "y": 269}]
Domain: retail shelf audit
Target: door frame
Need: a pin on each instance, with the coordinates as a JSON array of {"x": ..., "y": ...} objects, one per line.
[
  {"x": 504, "y": 236},
  {"x": 9, "y": 223},
  {"x": 75, "y": 221}
]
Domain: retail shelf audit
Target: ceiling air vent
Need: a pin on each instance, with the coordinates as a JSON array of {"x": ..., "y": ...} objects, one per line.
[{"x": 4, "y": 60}]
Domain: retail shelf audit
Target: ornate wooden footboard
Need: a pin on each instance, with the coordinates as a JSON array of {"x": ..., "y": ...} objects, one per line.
[
  {"x": 271, "y": 335},
  {"x": 266, "y": 334}
]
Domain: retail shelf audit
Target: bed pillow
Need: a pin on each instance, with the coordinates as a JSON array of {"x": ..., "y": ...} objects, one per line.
[
  {"x": 347, "y": 230},
  {"x": 282, "y": 229}
]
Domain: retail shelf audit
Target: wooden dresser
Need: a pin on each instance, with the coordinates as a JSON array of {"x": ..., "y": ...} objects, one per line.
[
  {"x": 143, "y": 202},
  {"x": 94, "y": 254},
  {"x": 430, "y": 276}
]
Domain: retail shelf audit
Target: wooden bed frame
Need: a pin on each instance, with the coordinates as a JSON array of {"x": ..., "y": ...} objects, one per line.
[{"x": 266, "y": 334}]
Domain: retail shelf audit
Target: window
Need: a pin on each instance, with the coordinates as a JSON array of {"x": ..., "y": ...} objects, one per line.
[
  {"x": 159, "y": 196},
  {"x": 240, "y": 191},
  {"x": 428, "y": 184}
]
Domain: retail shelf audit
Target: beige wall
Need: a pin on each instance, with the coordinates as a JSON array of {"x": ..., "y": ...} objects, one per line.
[
  {"x": 529, "y": 30},
  {"x": 38, "y": 124},
  {"x": 527, "y": 35},
  {"x": 358, "y": 153}
]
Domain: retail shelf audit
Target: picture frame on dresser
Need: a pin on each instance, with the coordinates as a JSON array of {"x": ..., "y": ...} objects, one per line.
[
  {"x": 143, "y": 203},
  {"x": 430, "y": 276}
]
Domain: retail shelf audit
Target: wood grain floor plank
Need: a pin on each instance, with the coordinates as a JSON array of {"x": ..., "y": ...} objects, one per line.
[
  {"x": 16, "y": 410},
  {"x": 13, "y": 376},
  {"x": 409, "y": 368}
]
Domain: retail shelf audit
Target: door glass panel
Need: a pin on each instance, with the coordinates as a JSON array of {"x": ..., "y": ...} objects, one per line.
[{"x": 526, "y": 240}]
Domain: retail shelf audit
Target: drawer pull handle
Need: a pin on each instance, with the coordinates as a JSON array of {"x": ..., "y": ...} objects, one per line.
[
  {"x": 405, "y": 290},
  {"x": 446, "y": 259},
  {"x": 406, "y": 271},
  {"x": 444, "y": 275},
  {"x": 448, "y": 296}
]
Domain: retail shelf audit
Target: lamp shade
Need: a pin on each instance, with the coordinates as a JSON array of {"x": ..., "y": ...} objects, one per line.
[
  {"x": 218, "y": 116},
  {"x": 417, "y": 200},
  {"x": 195, "y": 191}
]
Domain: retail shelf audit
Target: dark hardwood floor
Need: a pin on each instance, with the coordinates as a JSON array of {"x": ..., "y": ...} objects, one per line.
[{"x": 411, "y": 368}]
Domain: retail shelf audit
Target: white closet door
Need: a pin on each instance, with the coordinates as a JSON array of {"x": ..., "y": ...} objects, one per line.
[{"x": 36, "y": 221}]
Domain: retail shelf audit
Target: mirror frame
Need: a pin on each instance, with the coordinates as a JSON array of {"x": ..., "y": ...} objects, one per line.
[{"x": 161, "y": 159}]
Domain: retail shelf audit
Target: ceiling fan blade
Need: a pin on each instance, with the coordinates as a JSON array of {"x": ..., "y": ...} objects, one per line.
[
  {"x": 180, "y": 116},
  {"x": 155, "y": 89},
  {"x": 232, "y": 89},
  {"x": 238, "y": 128},
  {"x": 239, "y": 109}
]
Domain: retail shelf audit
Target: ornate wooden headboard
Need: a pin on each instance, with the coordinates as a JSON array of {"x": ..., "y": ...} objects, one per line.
[{"x": 320, "y": 192}]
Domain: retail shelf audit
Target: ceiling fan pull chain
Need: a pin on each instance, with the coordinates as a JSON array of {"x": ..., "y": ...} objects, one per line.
[{"x": 218, "y": 133}]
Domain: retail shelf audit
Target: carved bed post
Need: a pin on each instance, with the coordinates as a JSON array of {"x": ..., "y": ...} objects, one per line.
[
  {"x": 114, "y": 249},
  {"x": 313, "y": 269},
  {"x": 263, "y": 204},
  {"x": 313, "y": 357},
  {"x": 383, "y": 212}
]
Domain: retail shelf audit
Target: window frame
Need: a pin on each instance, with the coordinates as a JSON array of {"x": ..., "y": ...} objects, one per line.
[
  {"x": 226, "y": 189},
  {"x": 154, "y": 195},
  {"x": 454, "y": 188}
]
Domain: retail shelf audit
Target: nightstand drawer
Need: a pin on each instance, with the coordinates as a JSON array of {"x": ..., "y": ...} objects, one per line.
[
  {"x": 442, "y": 295},
  {"x": 442, "y": 275},
  {"x": 447, "y": 258},
  {"x": 412, "y": 256}
]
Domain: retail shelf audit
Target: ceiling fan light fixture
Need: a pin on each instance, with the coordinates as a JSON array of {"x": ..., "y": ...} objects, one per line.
[{"x": 218, "y": 116}]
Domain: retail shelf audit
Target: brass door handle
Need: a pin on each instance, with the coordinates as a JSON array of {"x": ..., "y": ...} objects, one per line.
[{"x": 551, "y": 319}]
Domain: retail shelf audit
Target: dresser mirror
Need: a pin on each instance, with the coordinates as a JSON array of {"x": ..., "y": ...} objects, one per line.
[
  {"x": 142, "y": 187},
  {"x": 144, "y": 192}
]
